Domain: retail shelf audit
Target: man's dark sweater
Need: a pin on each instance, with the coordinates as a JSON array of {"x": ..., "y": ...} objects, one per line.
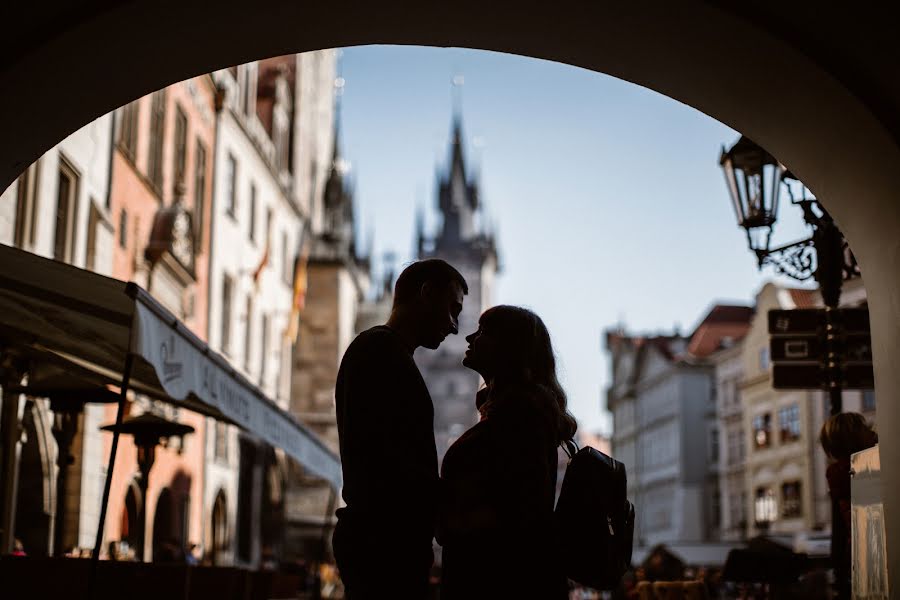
[{"x": 386, "y": 426}]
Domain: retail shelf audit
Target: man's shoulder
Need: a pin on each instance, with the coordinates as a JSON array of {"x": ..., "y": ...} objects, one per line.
[{"x": 374, "y": 343}]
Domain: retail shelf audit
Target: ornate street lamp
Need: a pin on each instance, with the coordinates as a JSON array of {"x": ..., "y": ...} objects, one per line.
[
  {"x": 148, "y": 430},
  {"x": 756, "y": 182}
]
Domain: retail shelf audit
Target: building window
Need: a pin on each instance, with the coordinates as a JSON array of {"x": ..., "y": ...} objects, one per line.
[
  {"x": 762, "y": 431},
  {"x": 280, "y": 139},
  {"x": 128, "y": 129},
  {"x": 716, "y": 508},
  {"x": 789, "y": 422},
  {"x": 248, "y": 101},
  {"x": 231, "y": 185},
  {"x": 766, "y": 506},
  {"x": 736, "y": 509},
  {"x": 26, "y": 207},
  {"x": 735, "y": 446},
  {"x": 868, "y": 400},
  {"x": 286, "y": 262},
  {"x": 269, "y": 227},
  {"x": 714, "y": 445},
  {"x": 791, "y": 500},
  {"x": 66, "y": 211},
  {"x": 764, "y": 358},
  {"x": 221, "y": 441},
  {"x": 252, "y": 212},
  {"x": 157, "y": 139},
  {"x": 248, "y": 333},
  {"x": 181, "y": 127},
  {"x": 263, "y": 349},
  {"x": 199, "y": 188},
  {"x": 227, "y": 292},
  {"x": 123, "y": 229}
]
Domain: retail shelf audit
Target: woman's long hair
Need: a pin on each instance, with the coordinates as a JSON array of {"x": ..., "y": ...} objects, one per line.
[{"x": 527, "y": 357}]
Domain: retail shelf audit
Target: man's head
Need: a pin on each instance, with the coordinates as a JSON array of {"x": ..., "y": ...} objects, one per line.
[{"x": 430, "y": 294}]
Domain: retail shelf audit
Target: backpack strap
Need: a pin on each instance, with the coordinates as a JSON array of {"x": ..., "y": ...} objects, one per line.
[{"x": 570, "y": 448}]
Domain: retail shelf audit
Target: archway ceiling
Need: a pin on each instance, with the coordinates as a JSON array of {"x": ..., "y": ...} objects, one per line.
[{"x": 759, "y": 68}]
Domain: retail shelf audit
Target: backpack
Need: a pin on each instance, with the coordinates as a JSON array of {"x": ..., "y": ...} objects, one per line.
[{"x": 594, "y": 519}]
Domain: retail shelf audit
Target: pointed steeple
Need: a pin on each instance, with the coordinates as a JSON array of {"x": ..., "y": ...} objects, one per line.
[
  {"x": 338, "y": 198},
  {"x": 420, "y": 231},
  {"x": 457, "y": 195}
]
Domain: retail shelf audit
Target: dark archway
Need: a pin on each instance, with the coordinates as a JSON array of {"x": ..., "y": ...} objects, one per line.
[
  {"x": 37, "y": 483},
  {"x": 165, "y": 541},
  {"x": 817, "y": 88},
  {"x": 133, "y": 503},
  {"x": 219, "y": 543},
  {"x": 272, "y": 521}
]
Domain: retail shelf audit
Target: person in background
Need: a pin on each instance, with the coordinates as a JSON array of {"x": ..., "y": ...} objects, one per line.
[{"x": 841, "y": 436}]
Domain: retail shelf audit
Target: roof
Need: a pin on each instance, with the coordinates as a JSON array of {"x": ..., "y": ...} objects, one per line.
[{"x": 723, "y": 322}]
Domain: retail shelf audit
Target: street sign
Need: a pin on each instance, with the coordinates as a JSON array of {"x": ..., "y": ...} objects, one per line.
[
  {"x": 798, "y": 377},
  {"x": 858, "y": 377},
  {"x": 819, "y": 349},
  {"x": 796, "y": 348},
  {"x": 852, "y": 320},
  {"x": 805, "y": 320}
]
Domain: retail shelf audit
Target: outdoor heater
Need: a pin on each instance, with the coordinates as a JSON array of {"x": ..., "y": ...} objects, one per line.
[{"x": 147, "y": 430}]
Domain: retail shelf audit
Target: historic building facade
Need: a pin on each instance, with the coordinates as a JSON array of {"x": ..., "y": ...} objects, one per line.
[
  {"x": 732, "y": 451},
  {"x": 661, "y": 397},
  {"x": 161, "y": 198},
  {"x": 785, "y": 488},
  {"x": 274, "y": 130},
  {"x": 59, "y": 208},
  {"x": 466, "y": 244},
  {"x": 337, "y": 287}
]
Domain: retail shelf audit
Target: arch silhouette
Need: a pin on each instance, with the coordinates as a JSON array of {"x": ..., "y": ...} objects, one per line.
[{"x": 813, "y": 89}]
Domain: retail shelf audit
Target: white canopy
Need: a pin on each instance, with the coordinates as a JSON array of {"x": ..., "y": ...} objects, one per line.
[{"x": 76, "y": 328}]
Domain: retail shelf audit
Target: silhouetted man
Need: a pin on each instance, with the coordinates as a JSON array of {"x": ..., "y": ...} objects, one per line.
[{"x": 385, "y": 419}]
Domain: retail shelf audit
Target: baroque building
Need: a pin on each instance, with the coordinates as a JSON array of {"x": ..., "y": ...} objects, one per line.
[
  {"x": 161, "y": 195},
  {"x": 59, "y": 208},
  {"x": 274, "y": 129},
  {"x": 785, "y": 492},
  {"x": 337, "y": 280},
  {"x": 662, "y": 400},
  {"x": 465, "y": 243}
]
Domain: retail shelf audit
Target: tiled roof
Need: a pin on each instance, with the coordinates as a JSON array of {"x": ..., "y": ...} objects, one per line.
[
  {"x": 721, "y": 323},
  {"x": 805, "y": 298}
]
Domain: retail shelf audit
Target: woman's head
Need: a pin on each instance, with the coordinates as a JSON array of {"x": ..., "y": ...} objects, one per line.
[
  {"x": 512, "y": 345},
  {"x": 846, "y": 433}
]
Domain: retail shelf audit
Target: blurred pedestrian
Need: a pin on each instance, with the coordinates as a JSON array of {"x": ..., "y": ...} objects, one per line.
[{"x": 841, "y": 436}]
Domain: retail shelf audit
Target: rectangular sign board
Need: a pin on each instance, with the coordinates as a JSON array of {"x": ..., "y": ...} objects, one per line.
[
  {"x": 796, "y": 348},
  {"x": 798, "y": 377},
  {"x": 806, "y": 320}
]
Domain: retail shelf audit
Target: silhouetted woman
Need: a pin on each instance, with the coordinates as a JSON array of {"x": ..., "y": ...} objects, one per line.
[{"x": 498, "y": 480}]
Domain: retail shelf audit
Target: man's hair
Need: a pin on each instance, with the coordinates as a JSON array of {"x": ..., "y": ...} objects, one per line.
[{"x": 435, "y": 271}]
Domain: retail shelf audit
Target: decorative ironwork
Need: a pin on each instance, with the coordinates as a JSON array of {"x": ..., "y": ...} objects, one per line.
[{"x": 797, "y": 260}]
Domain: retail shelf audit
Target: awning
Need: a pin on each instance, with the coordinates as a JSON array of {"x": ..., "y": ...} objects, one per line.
[{"x": 76, "y": 328}]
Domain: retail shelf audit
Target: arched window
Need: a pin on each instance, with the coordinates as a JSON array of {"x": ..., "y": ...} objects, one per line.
[{"x": 219, "y": 542}]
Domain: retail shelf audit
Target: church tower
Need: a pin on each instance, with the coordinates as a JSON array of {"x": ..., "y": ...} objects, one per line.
[{"x": 463, "y": 242}]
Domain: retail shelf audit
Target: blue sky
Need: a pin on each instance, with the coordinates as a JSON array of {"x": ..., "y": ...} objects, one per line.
[{"x": 609, "y": 202}]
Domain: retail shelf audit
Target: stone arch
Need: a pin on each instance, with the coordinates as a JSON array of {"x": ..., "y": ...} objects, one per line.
[
  {"x": 36, "y": 497},
  {"x": 822, "y": 101},
  {"x": 165, "y": 547},
  {"x": 133, "y": 507},
  {"x": 220, "y": 539}
]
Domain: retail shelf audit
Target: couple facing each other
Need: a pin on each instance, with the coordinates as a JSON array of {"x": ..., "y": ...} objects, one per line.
[{"x": 491, "y": 507}]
